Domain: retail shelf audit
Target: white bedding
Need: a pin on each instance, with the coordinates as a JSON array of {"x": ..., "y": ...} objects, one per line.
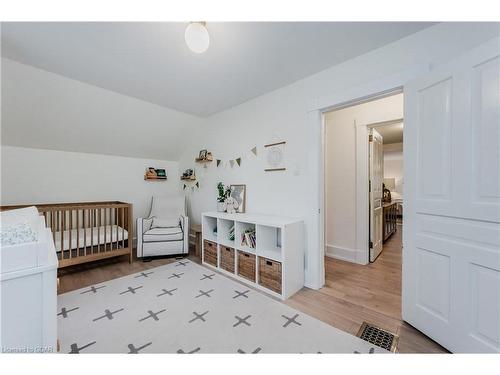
[{"x": 93, "y": 236}]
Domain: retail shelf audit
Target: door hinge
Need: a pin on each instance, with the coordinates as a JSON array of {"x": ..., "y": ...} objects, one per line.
[
  {"x": 370, "y": 138},
  {"x": 371, "y": 245}
]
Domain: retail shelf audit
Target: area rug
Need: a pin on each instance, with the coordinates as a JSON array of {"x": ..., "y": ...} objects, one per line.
[{"x": 183, "y": 307}]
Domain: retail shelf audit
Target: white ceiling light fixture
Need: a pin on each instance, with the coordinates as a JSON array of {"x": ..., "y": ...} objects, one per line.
[{"x": 197, "y": 37}]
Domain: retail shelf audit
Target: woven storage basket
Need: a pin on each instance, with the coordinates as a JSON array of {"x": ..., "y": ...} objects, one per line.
[
  {"x": 210, "y": 252},
  {"x": 227, "y": 258},
  {"x": 270, "y": 274},
  {"x": 246, "y": 265}
]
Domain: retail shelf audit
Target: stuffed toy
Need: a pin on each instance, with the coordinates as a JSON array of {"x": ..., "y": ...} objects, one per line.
[{"x": 231, "y": 205}]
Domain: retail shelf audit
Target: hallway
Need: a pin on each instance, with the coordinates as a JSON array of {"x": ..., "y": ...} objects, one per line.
[{"x": 356, "y": 293}]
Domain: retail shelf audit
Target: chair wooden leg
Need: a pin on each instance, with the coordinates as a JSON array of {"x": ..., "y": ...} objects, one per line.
[{"x": 130, "y": 257}]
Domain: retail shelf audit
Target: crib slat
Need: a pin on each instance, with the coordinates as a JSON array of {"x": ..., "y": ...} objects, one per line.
[
  {"x": 116, "y": 221},
  {"x": 62, "y": 233},
  {"x": 77, "y": 233},
  {"x": 112, "y": 223},
  {"x": 84, "y": 233},
  {"x": 123, "y": 227},
  {"x": 92, "y": 221},
  {"x": 96, "y": 246},
  {"x": 70, "y": 213},
  {"x": 53, "y": 227},
  {"x": 99, "y": 231},
  {"x": 106, "y": 222}
]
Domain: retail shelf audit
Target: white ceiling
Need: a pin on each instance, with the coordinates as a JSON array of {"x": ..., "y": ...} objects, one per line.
[
  {"x": 150, "y": 61},
  {"x": 391, "y": 133}
]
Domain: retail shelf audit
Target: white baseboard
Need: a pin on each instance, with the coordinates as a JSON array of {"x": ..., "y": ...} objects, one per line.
[{"x": 342, "y": 253}]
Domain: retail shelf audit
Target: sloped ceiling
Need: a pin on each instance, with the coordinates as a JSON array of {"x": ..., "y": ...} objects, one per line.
[
  {"x": 48, "y": 111},
  {"x": 150, "y": 61}
]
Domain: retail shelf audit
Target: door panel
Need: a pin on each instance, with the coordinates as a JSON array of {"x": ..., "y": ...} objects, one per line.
[
  {"x": 376, "y": 193},
  {"x": 433, "y": 287},
  {"x": 451, "y": 237},
  {"x": 485, "y": 292},
  {"x": 433, "y": 171},
  {"x": 485, "y": 130}
]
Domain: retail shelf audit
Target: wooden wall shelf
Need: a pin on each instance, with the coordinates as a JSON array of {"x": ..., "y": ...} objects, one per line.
[
  {"x": 146, "y": 178},
  {"x": 188, "y": 179},
  {"x": 198, "y": 160}
]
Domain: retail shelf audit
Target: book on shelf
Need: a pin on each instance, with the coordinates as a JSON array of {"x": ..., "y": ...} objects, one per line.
[{"x": 248, "y": 238}]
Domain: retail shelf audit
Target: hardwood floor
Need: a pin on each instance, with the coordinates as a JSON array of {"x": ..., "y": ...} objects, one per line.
[
  {"x": 352, "y": 294},
  {"x": 356, "y": 293},
  {"x": 83, "y": 275}
]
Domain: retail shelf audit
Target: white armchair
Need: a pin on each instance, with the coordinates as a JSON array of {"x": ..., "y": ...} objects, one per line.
[{"x": 166, "y": 229}]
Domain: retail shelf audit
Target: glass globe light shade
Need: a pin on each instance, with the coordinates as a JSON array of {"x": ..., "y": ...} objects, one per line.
[{"x": 197, "y": 37}]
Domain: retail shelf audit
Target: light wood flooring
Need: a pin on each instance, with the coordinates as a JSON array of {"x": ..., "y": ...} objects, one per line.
[
  {"x": 356, "y": 293},
  {"x": 352, "y": 294}
]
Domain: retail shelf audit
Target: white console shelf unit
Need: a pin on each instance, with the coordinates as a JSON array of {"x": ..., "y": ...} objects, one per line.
[{"x": 275, "y": 265}]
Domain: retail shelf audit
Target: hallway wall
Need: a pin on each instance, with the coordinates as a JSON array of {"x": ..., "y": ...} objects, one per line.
[{"x": 340, "y": 170}]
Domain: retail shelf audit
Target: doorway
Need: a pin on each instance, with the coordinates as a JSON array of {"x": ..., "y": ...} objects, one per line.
[
  {"x": 385, "y": 177},
  {"x": 364, "y": 157},
  {"x": 347, "y": 209}
]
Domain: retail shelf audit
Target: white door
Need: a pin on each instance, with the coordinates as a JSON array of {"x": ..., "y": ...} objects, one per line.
[
  {"x": 451, "y": 236},
  {"x": 376, "y": 193}
]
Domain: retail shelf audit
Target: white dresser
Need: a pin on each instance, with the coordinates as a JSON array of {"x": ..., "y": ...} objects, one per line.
[
  {"x": 28, "y": 294},
  {"x": 272, "y": 261}
]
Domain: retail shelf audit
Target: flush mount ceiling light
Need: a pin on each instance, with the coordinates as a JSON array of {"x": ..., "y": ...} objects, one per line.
[{"x": 197, "y": 37}]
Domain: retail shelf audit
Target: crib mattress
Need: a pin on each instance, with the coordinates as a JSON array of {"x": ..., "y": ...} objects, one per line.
[{"x": 92, "y": 236}]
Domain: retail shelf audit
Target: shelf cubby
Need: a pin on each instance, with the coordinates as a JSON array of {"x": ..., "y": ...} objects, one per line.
[
  {"x": 269, "y": 242},
  {"x": 208, "y": 225},
  {"x": 239, "y": 230},
  {"x": 275, "y": 265},
  {"x": 223, "y": 228}
]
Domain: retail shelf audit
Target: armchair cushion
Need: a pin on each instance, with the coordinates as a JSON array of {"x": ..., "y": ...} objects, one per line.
[
  {"x": 163, "y": 234},
  {"x": 168, "y": 206},
  {"x": 165, "y": 222}
]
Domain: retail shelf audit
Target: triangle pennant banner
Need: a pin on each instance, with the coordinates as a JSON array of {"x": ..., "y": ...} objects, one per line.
[
  {"x": 197, "y": 184},
  {"x": 218, "y": 162},
  {"x": 231, "y": 162},
  {"x": 238, "y": 160},
  {"x": 184, "y": 187},
  {"x": 254, "y": 150}
]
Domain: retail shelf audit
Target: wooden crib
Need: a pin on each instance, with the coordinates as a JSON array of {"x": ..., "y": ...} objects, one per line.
[{"x": 84, "y": 232}]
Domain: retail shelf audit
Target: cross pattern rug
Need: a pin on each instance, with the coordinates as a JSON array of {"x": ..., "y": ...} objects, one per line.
[{"x": 183, "y": 307}]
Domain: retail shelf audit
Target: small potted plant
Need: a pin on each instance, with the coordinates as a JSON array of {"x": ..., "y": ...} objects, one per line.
[{"x": 224, "y": 192}]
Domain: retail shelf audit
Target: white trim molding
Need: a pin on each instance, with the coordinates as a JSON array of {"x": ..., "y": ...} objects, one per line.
[
  {"x": 343, "y": 253},
  {"x": 317, "y": 108}
]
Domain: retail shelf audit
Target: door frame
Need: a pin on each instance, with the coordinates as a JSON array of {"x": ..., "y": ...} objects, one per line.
[
  {"x": 363, "y": 181},
  {"x": 316, "y": 162}
]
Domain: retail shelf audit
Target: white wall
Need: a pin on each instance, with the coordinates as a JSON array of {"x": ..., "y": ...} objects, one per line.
[
  {"x": 42, "y": 111},
  {"x": 286, "y": 114},
  {"x": 393, "y": 166},
  {"x": 45, "y": 176},
  {"x": 340, "y": 170},
  {"x": 48, "y": 111},
  {"x": 53, "y": 112}
]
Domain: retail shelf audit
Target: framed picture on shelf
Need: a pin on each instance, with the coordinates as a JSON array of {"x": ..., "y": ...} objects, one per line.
[
  {"x": 161, "y": 173},
  {"x": 203, "y": 155},
  {"x": 238, "y": 192}
]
